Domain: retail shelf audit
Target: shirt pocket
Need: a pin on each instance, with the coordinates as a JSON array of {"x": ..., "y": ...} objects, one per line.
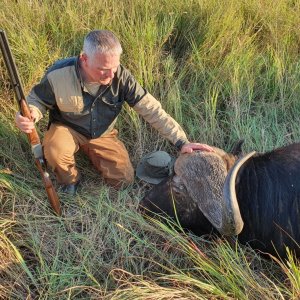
[{"x": 72, "y": 104}]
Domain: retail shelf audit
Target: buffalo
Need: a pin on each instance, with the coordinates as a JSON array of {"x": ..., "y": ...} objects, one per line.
[{"x": 255, "y": 197}]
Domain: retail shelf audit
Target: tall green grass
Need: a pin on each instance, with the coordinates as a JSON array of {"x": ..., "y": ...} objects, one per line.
[{"x": 225, "y": 70}]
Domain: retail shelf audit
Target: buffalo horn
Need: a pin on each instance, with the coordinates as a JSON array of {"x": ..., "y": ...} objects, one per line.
[{"x": 232, "y": 220}]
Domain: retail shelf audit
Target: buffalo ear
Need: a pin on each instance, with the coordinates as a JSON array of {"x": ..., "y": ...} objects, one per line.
[
  {"x": 235, "y": 153},
  {"x": 237, "y": 148}
]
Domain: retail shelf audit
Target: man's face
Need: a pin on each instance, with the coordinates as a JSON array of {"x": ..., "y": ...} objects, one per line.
[{"x": 100, "y": 68}]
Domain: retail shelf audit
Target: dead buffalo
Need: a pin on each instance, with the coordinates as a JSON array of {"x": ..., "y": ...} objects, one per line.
[{"x": 256, "y": 197}]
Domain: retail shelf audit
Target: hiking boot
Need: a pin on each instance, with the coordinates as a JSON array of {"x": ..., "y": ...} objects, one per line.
[{"x": 69, "y": 189}]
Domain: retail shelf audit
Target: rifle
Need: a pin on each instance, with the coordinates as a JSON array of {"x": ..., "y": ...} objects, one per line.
[{"x": 33, "y": 137}]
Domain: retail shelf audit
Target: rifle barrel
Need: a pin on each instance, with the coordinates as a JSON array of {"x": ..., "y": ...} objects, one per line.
[
  {"x": 11, "y": 66},
  {"x": 33, "y": 137}
]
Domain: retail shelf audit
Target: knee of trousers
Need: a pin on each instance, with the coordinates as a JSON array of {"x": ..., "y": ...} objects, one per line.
[{"x": 56, "y": 156}]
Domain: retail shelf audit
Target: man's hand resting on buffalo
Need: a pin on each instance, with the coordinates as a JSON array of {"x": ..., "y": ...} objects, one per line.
[{"x": 190, "y": 147}]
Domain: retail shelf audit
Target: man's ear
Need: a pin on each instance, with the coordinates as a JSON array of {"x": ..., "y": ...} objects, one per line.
[{"x": 83, "y": 57}]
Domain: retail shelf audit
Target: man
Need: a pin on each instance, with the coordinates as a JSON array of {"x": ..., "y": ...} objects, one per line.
[{"x": 84, "y": 96}]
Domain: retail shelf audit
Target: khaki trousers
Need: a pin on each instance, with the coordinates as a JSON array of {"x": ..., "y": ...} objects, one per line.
[{"x": 107, "y": 153}]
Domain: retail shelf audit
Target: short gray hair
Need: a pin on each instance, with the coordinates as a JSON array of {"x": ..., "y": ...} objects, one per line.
[{"x": 101, "y": 41}]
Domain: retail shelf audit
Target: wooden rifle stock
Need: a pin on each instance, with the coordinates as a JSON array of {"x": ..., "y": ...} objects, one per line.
[{"x": 33, "y": 137}]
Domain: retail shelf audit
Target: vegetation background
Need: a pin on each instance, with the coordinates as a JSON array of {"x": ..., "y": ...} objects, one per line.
[{"x": 225, "y": 69}]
